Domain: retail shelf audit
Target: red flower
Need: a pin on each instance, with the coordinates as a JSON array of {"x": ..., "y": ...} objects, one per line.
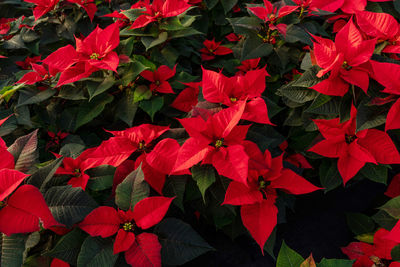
[
  {"x": 5, "y": 24},
  {"x": 393, "y": 189},
  {"x": 42, "y": 6},
  {"x": 26, "y": 64},
  {"x": 354, "y": 149},
  {"x": 188, "y": 98},
  {"x": 369, "y": 255},
  {"x": 344, "y": 59},
  {"x": 160, "y": 9},
  {"x": 53, "y": 64},
  {"x": 88, "y": 5},
  {"x": 93, "y": 53},
  {"x": 213, "y": 49},
  {"x": 158, "y": 79},
  {"x": 233, "y": 37},
  {"x": 140, "y": 139},
  {"x": 381, "y": 72},
  {"x": 23, "y": 211},
  {"x": 218, "y": 88},
  {"x": 216, "y": 140},
  {"x": 106, "y": 221},
  {"x": 269, "y": 13},
  {"x": 122, "y": 20},
  {"x": 249, "y": 64},
  {"x": 257, "y": 198}
]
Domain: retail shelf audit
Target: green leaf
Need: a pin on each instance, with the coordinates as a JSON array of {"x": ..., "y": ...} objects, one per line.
[
  {"x": 134, "y": 69},
  {"x": 295, "y": 33},
  {"x": 8, "y": 91},
  {"x": 395, "y": 253},
  {"x": 88, "y": 111},
  {"x": 68, "y": 247},
  {"x": 126, "y": 108},
  {"x": 42, "y": 176},
  {"x": 211, "y": 3},
  {"x": 335, "y": 263},
  {"x": 132, "y": 189},
  {"x": 95, "y": 89},
  {"x": 228, "y": 4},
  {"x": 329, "y": 175},
  {"x": 12, "y": 250},
  {"x": 15, "y": 42},
  {"x": 345, "y": 107},
  {"x": 152, "y": 106},
  {"x": 133, "y": 14},
  {"x": 69, "y": 205},
  {"x": 150, "y": 42},
  {"x": 39, "y": 97},
  {"x": 376, "y": 173},
  {"x": 180, "y": 243},
  {"x": 96, "y": 252},
  {"x": 101, "y": 177},
  {"x": 204, "y": 177},
  {"x": 245, "y": 25},
  {"x": 142, "y": 92},
  {"x": 360, "y": 223},
  {"x": 319, "y": 101},
  {"x": 25, "y": 151},
  {"x": 183, "y": 33},
  {"x": 369, "y": 117},
  {"x": 299, "y": 90},
  {"x": 288, "y": 257},
  {"x": 254, "y": 47},
  {"x": 383, "y": 219},
  {"x": 175, "y": 187},
  {"x": 71, "y": 93},
  {"x": 392, "y": 207}
]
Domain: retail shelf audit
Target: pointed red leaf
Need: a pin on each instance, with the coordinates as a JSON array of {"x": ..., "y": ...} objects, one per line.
[
  {"x": 145, "y": 251},
  {"x": 150, "y": 211},
  {"x": 9, "y": 181},
  {"x": 123, "y": 241},
  {"x": 102, "y": 221}
]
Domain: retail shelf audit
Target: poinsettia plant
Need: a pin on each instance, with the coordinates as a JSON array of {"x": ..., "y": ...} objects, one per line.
[{"x": 158, "y": 133}]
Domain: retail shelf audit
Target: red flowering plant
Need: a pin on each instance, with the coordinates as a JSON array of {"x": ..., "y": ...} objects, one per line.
[{"x": 161, "y": 133}]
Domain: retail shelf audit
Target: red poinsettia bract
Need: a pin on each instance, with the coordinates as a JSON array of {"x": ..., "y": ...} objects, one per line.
[
  {"x": 218, "y": 88},
  {"x": 370, "y": 254},
  {"x": 140, "y": 139},
  {"x": 42, "y": 7},
  {"x": 88, "y": 5},
  {"x": 159, "y": 79},
  {"x": 24, "y": 209},
  {"x": 213, "y": 49},
  {"x": 160, "y": 9},
  {"x": 354, "y": 149},
  {"x": 93, "y": 53},
  {"x": 257, "y": 198},
  {"x": 141, "y": 249},
  {"x": 188, "y": 98},
  {"x": 345, "y": 59},
  {"x": 216, "y": 140}
]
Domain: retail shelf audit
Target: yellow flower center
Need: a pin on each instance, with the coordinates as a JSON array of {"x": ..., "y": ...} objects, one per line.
[
  {"x": 346, "y": 65},
  {"x": 141, "y": 145},
  {"x": 233, "y": 99},
  {"x": 94, "y": 56},
  {"x": 127, "y": 226},
  {"x": 262, "y": 184},
  {"x": 219, "y": 143},
  {"x": 350, "y": 138}
]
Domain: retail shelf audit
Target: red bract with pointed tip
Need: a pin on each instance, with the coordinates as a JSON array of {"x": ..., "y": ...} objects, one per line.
[
  {"x": 381, "y": 72},
  {"x": 59, "y": 263},
  {"x": 160, "y": 9},
  {"x": 213, "y": 49},
  {"x": 346, "y": 59},
  {"x": 188, "y": 98},
  {"x": 269, "y": 13},
  {"x": 26, "y": 64},
  {"x": 364, "y": 253},
  {"x": 9, "y": 181},
  {"x": 88, "y": 5},
  {"x": 93, "y": 53},
  {"x": 5, "y": 25},
  {"x": 56, "y": 62},
  {"x": 140, "y": 139},
  {"x": 216, "y": 140},
  {"x": 249, "y": 64},
  {"x": 23, "y": 211},
  {"x": 257, "y": 198},
  {"x": 218, "y": 88},
  {"x": 354, "y": 149},
  {"x": 42, "y": 7},
  {"x": 106, "y": 221},
  {"x": 159, "y": 79}
]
